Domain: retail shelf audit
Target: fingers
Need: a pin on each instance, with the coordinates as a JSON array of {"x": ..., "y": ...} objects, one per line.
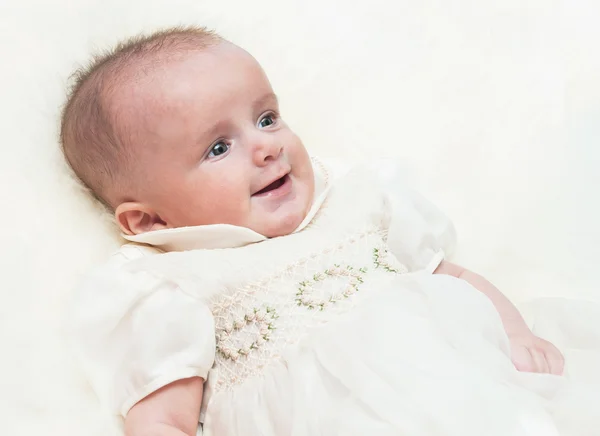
[
  {"x": 556, "y": 365},
  {"x": 522, "y": 359},
  {"x": 556, "y": 361},
  {"x": 539, "y": 361},
  {"x": 537, "y": 356}
]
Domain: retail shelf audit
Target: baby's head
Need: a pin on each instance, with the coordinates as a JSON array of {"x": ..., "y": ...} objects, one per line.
[{"x": 182, "y": 128}]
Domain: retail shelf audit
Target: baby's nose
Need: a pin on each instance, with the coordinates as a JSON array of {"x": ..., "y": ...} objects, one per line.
[{"x": 265, "y": 150}]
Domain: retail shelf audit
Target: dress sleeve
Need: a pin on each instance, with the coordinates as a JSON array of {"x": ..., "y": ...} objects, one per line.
[
  {"x": 135, "y": 333},
  {"x": 419, "y": 235}
]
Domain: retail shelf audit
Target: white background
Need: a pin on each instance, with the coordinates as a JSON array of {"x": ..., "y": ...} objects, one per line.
[{"x": 493, "y": 107}]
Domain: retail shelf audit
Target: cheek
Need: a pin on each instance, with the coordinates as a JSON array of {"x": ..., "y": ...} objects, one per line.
[
  {"x": 296, "y": 151},
  {"x": 301, "y": 161},
  {"x": 214, "y": 195},
  {"x": 213, "y": 192},
  {"x": 222, "y": 197}
]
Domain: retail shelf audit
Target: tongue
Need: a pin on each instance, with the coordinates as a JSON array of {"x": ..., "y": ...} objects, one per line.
[{"x": 276, "y": 184}]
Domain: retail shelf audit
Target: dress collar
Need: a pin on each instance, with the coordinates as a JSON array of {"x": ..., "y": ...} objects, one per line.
[{"x": 225, "y": 235}]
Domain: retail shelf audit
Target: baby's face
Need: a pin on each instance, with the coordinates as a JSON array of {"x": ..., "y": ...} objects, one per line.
[{"x": 214, "y": 149}]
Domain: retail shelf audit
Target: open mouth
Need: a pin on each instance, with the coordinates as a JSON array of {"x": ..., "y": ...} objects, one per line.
[{"x": 273, "y": 186}]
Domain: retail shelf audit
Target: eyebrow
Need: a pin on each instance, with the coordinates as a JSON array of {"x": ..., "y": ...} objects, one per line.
[{"x": 271, "y": 97}]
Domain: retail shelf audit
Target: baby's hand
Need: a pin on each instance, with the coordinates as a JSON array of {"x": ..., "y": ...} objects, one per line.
[{"x": 532, "y": 354}]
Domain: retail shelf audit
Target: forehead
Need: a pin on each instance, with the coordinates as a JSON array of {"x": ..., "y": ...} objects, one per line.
[
  {"x": 214, "y": 75},
  {"x": 176, "y": 98}
]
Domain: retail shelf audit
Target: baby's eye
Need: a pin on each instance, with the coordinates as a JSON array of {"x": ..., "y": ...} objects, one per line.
[
  {"x": 218, "y": 149},
  {"x": 266, "y": 121}
]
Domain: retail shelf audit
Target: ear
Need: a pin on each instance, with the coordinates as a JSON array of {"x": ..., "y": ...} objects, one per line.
[{"x": 135, "y": 218}]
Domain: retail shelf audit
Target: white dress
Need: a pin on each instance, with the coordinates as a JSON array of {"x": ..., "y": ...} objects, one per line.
[{"x": 337, "y": 329}]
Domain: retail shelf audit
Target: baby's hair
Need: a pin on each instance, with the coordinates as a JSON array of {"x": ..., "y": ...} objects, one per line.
[{"x": 91, "y": 140}]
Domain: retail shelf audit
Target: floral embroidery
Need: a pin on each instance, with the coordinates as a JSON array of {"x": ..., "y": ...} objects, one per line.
[
  {"x": 304, "y": 296},
  {"x": 283, "y": 308},
  {"x": 381, "y": 260},
  {"x": 261, "y": 318}
]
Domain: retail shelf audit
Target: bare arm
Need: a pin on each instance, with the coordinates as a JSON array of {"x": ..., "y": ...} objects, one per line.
[
  {"x": 171, "y": 411},
  {"x": 528, "y": 352},
  {"x": 513, "y": 322}
]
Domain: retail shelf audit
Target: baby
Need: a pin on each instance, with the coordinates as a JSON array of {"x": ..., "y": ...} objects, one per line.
[{"x": 264, "y": 292}]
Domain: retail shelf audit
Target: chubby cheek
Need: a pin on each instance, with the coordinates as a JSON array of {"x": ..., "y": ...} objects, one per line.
[
  {"x": 218, "y": 200},
  {"x": 298, "y": 155},
  {"x": 304, "y": 172}
]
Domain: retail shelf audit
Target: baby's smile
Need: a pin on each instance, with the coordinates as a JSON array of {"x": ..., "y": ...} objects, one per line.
[
  {"x": 276, "y": 194},
  {"x": 275, "y": 188}
]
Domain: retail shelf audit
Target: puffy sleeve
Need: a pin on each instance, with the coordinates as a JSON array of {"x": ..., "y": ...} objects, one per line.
[
  {"x": 420, "y": 235},
  {"x": 135, "y": 333}
]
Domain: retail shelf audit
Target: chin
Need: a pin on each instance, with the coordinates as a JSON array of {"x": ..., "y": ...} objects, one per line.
[{"x": 283, "y": 227}]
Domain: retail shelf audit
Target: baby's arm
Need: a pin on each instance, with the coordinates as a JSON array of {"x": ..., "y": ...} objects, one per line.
[
  {"x": 529, "y": 353},
  {"x": 170, "y": 411}
]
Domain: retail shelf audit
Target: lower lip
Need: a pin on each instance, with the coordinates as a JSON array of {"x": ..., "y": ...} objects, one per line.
[{"x": 283, "y": 190}]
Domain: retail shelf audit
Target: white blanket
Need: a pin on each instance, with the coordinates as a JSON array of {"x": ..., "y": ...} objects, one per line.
[{"x": 492, "y": 105}]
